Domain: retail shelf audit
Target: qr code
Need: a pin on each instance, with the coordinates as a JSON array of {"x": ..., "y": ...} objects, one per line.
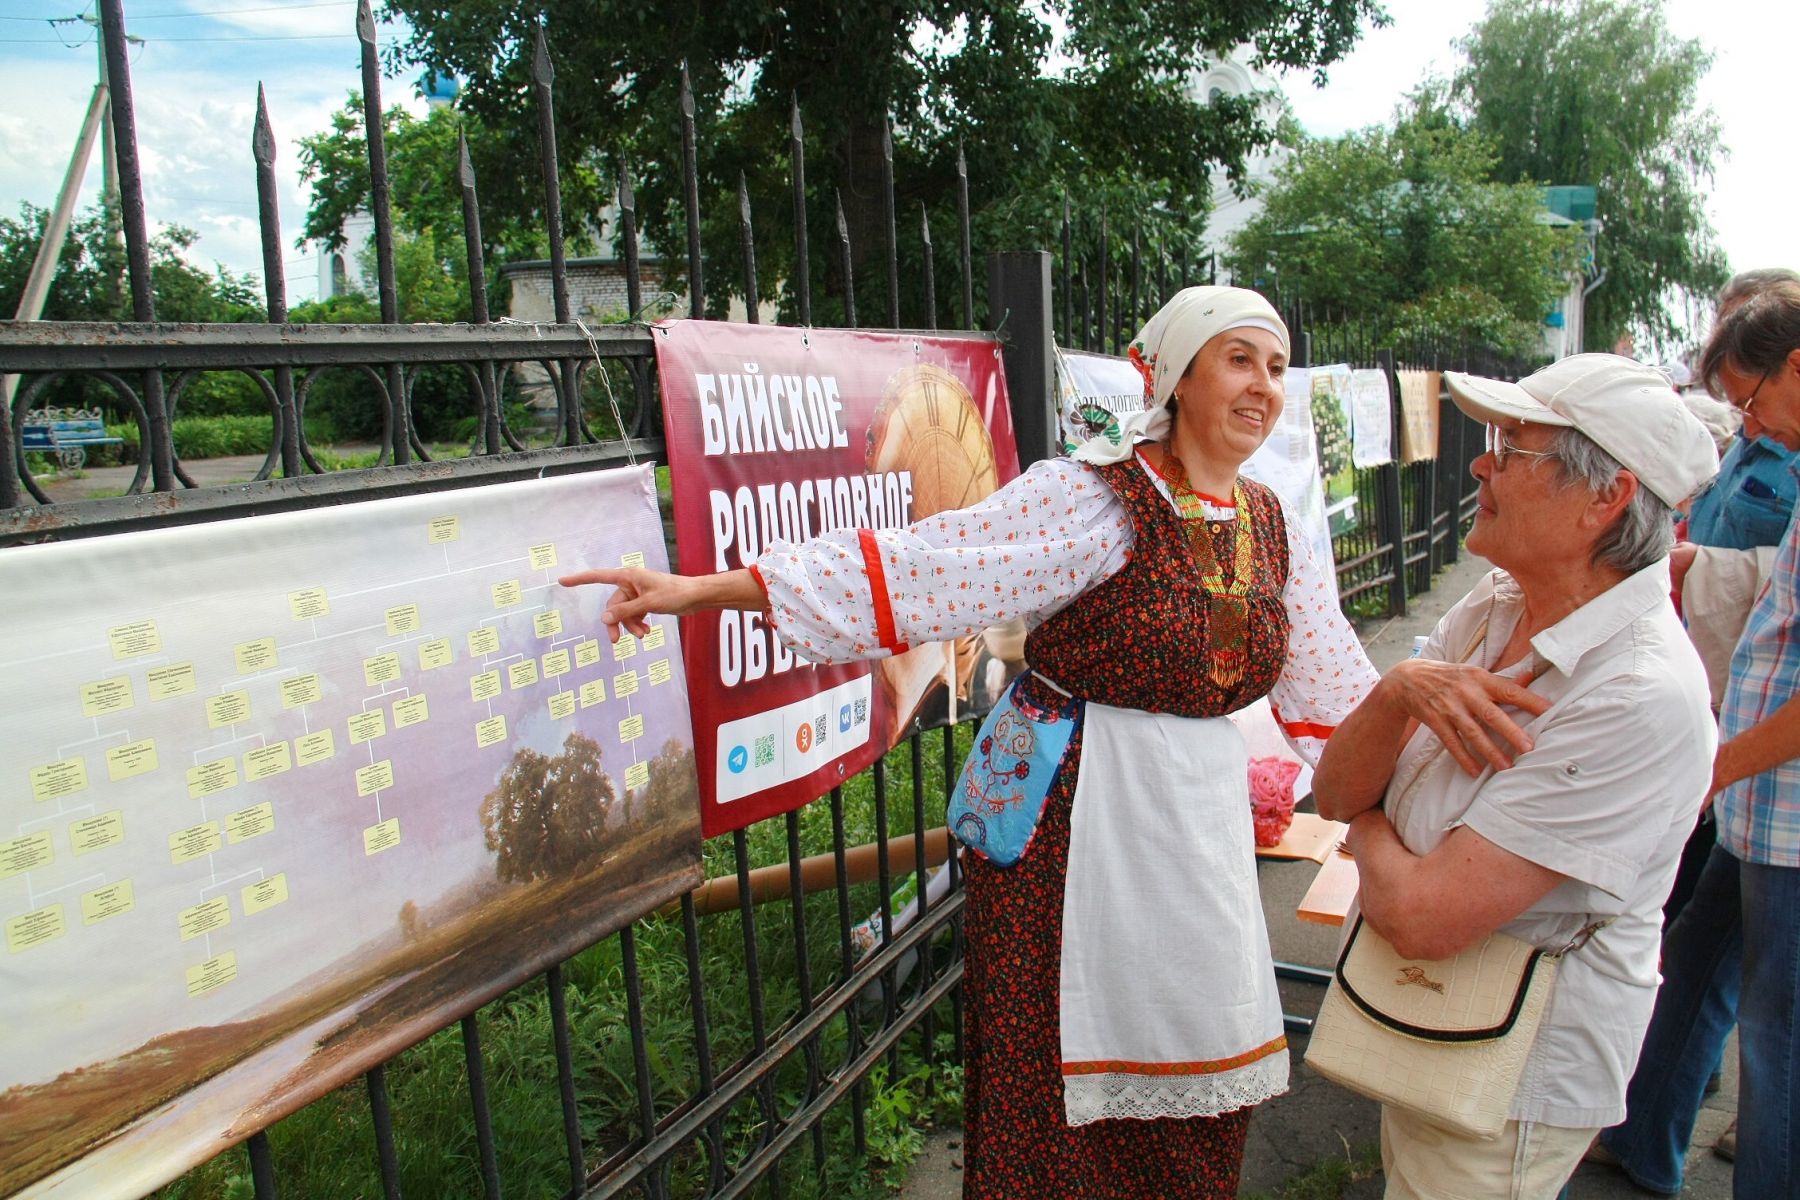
[
  {"x": 818, "y": 728},
  {"x": 862, "y": 712},
  {"x": 765, "y": 749}
]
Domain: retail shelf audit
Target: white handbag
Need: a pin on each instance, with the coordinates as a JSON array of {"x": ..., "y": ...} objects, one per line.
[{"x": 1446, "y": 1039}]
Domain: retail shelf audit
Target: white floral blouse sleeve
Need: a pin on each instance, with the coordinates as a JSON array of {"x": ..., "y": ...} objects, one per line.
[
  {"x": 1028, "y": 551},
  {"x": 1326, "y": 673}
]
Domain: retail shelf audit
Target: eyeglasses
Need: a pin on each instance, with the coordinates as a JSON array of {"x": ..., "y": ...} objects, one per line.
[
  {"x": 1743, "y": 405},
  {"x": 1502, "y": 450}
]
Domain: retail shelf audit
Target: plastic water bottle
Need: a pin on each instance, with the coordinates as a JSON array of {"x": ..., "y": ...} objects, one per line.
[{"x": 1419, "y": 645}]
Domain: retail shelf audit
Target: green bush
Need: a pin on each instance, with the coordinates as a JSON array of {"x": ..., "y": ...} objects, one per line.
[{"x": 195, "y": 437}]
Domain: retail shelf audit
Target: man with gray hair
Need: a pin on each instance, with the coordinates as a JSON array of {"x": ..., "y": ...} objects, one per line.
[
  {"x": 1537, "y": 768},
  {"x": 1735, "y": 948}
]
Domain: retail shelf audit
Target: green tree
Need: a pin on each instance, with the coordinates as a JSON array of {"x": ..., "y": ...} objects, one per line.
[
  {"x": 545, "y": 816},
  {"x": 1600, "y": 92},
  {"x": 1102, "y": 111},
  {"x": 1402, "y": 231}
]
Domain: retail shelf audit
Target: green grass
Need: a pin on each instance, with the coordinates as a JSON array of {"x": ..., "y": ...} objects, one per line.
[
  {"x": 327, "y": 1149},
  {"x": 1330, "y": 1179}
]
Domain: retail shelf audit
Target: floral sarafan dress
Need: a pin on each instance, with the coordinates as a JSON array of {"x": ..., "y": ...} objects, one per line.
[{"x": 1119, "y": 993}]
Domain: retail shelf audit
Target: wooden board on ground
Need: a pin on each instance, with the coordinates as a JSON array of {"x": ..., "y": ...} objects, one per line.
[
  {"x": 1310, "y": 836},
  {"x": 1328, "y": 899}
]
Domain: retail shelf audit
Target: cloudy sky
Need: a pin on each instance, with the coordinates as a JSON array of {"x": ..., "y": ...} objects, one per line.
[{"x": 196, "y": 73}]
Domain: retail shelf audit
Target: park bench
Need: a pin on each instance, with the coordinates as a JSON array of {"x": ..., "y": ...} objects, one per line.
[{"x": 66, "y": 433}]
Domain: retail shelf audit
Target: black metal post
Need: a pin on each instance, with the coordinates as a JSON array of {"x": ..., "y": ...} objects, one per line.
[
  {"x": 968, "y": 257},
  {"x": 690, "y": 176},
  {"x": 1392, "y": 515},
  {"x": 843, "y": 229},
  {"x": 268, "y": 211},
  {"x": 887, "y": 217},
  {"x": 930, "y": 268},
  {"x": 1019, "y": 296},
  {"x": 749, "y": 239},
  {"x": 802, "y": 256},
  {"x": 399, "y": 431},
  {"x": 478, "y": 1103},
  {"x": 478, "y": 302}
]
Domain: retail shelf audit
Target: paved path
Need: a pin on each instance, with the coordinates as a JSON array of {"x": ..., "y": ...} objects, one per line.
[{"x": 1317, "y": 1121}]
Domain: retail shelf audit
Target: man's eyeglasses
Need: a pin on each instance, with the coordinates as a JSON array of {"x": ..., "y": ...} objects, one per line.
[
  {"x": 1743, "y": 406},
  {"x": 1503, "y": 450}
]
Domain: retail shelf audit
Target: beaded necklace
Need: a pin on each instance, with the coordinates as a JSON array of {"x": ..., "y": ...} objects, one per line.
[{"x": 1228, "y": 603}]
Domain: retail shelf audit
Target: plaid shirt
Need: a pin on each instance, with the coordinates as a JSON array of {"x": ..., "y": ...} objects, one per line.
[{"x": 1759, "y": 817}]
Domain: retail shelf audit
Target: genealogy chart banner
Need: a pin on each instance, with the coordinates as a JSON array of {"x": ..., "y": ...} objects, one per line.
[{"x": 284, "y": 794}]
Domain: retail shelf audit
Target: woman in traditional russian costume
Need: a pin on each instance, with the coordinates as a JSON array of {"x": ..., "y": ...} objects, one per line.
[{"x": 1122, "y": 1018}]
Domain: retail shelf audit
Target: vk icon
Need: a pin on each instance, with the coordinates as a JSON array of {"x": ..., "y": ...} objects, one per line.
[
  {"x": 844, "y": 719},
  {"x": 738, "y": 759}
]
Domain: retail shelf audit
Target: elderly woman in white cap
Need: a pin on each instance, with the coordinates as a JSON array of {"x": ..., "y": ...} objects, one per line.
[
  {"x": 1536, "y": 770},
  {"x": 1121, "y": 1004}
]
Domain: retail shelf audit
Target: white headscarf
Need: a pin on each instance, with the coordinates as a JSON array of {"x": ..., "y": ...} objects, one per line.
[{"x": 1166, "y": 345}]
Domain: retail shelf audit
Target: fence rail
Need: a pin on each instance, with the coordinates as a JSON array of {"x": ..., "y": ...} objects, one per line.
[{"x": 751, "y": 1050}]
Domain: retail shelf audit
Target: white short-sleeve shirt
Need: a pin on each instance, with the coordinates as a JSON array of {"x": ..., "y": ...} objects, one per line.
[{"x": 1606, "y": 797}]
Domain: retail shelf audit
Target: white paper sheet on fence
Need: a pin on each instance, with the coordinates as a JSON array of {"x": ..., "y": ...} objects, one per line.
[
  {"x": 1371, "y": 421},
  {"x": 1094, "y": 393}
]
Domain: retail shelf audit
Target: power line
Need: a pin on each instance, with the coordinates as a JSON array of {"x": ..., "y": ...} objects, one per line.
[
  {"x": 216, "y": 12},
  {"x": 298, "y": 37}
]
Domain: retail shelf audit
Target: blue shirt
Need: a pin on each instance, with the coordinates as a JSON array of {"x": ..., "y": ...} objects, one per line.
[
  {"x": 1759, "y": 817},
  {"x": 1749, "y": 504}
]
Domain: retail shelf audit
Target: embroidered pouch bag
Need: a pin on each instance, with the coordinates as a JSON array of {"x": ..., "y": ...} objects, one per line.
[{"x": 995, "y": 808}]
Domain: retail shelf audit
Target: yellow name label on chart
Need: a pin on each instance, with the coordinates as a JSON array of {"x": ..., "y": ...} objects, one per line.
[
  {"x": 97, "y": 833},
  {"x": 439, "y": 530},
  {"x": 543, "y": 556},
  {"x": 215, "y": 972},
  {"x": 631, "y": 728},
  {"x": 384, "y": 836},
  {"x": 106, "y": 696},
  {"x": 522, "y": 674},
  {"x": 625, "y": 683},
  {"x": 547, "y": 624},
  {"x": 490, "y": 731},
  {"x": 660, "y": 672},
  {"x": 210, "y": 777},
  {"x": 54, "y": 780},
  {"x": 625, "y": 647},
  {"x": 259, "y": 655},
  {"x": 556, "y": 663},
  {"x": 484, "y": 686},
  {"x": 309, "y": 604},
  {"x": 110, "y": 901},
  {"x": 264, "y": 894},
  {"x": 410, "y": 711},
  {"x": 375, "y": 777},
  {"x": 192, "y": 842},
  {"x": 484, "y": 641},
  {"x": 166, "y": 683},
  {"x": 592, "y": 692},
  {"x": 205, "y": 917},
  {"x": 383, "y": 668},
  {"x": 656, "y": 637},
  {"x": 637, "y": 775},
  {"x": 402, "y": 618},
  {"x": 433, "y": 655},
  {"x": 232, "y": 708},
  {"x": 247, "y": 823},
  {"x": 266, "y": 761},
  {"x": 34, "y": 928},
  {"x": 507, "y": 594},
  {"x": 137, "y": 638},
  {"x": 24, "y": 854},
  {"x": 133, "y": 758},
  {"x": 302, "y": 689},
  {"x": 562, "y": 705},
  {"x": 634, "y": 558},
  {"x": 366, "y": 727},
  {"x": 314, "y": 747},
  {"x": 587, "y": 653}
]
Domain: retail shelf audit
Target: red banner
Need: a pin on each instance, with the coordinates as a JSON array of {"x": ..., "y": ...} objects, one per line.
[{"x": 789, "y": 433}]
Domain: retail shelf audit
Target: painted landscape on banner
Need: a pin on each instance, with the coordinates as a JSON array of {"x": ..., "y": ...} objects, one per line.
[
  {"x": 284, "y": 794},
  {"x": 780, "y": 433}
]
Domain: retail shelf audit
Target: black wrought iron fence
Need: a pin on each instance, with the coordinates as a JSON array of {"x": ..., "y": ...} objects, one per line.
[{"x": 776, "y": 1031}]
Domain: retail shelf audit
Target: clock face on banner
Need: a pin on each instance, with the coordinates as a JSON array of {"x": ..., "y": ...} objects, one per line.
[{"x": 781, "y": 433}]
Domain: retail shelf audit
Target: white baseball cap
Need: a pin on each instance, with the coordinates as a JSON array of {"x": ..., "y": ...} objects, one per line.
[{"x": 1626, "y": 408}]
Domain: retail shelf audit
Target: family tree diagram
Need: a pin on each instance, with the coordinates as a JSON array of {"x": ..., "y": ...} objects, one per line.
[{"x": 246, "y": 760}]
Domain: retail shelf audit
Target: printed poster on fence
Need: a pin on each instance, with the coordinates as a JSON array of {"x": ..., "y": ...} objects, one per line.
[
  {"x": 789, "y": 433},
  {"x": 286, "y": 793},
  {"x": 1371, "y": 418},
  {"x": 1418, "y": 414}
]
